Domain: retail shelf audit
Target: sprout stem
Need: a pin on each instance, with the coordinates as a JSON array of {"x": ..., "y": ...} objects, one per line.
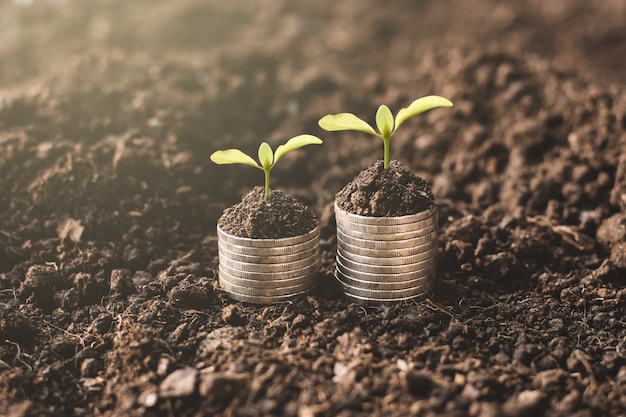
[
  {"x": 387, "y": 143},
  {"x": 267, "y": 182}
]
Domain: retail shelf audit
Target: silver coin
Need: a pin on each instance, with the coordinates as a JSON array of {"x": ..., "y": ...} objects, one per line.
[
  {"x": 386, "y": 236},
  {"x": 269, "y": 251},
  {"x": 267, "y": 268},
  {"x": 369, "y": 300},
  {"x": 267, "y": 259},
  {"x": 384, "y": 295},
  {"x": 400, "y": 285},
  {"x": 265, "y": 292},
  {"x": 263, "y": 300},
  {"x": 267, "y": 243},
  {"x": 389, "y": 261},
  {"x": 387, "y": 244},
  {"x": 385, "y": 229},
  {"x": 385, "y": 269},
  {"x": 387, "y": 253},
  {"x": 427, "y": 270},
  {"x": 392, "y": 220},
  {"x": 253, "y": 283},
  {"x": 265, "y": 276}
]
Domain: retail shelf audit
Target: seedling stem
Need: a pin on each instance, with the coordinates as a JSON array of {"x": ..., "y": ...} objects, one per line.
[
  {"x": 267, "y": 158},
  {"x": 385, "y": 121}
]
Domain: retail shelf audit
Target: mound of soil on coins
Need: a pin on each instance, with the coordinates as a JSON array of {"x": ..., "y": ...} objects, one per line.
[
  {"x": 380, "y": 192},
  {"x": 276, "y": 216}
]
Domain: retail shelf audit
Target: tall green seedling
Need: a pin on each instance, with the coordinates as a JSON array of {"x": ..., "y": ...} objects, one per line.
[
  {"x": 385, "y": 121},
  {"x": 267, "y": 158}
]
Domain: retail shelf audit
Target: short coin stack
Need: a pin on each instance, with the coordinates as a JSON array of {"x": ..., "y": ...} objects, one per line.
[
  {"x": 266, "y": 271},
  {"x": 386, "y": 258}
]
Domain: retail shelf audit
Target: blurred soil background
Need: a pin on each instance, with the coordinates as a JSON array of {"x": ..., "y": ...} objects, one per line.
[{"x": 109, "y": 110}]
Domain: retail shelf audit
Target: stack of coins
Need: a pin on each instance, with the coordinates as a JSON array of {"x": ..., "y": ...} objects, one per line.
[
  {"x": 267, "y": 271},
  {"x": 386, "y": 258}
]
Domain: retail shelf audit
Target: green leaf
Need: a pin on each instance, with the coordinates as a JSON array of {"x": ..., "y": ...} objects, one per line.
[
  {"x": 384, "y": 121},
  {"x": 420, "y": 106},
  {"x": 233, "y": 156},
  {"x": 295, "y": 143},
  {"x": 266, "y": 156},
  {"x": 345, "y": 121}
]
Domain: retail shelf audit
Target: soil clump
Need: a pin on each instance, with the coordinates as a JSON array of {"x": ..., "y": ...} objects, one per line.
[
  {"x": 380, "y": 192},
  {"x": 276, "y": 216}
]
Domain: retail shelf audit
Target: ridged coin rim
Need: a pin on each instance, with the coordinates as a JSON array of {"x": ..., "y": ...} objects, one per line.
[
  {"x": 254, "y": 283},
  {"x": 260, "y": 276},
  {"x": 356, "y": 253},
  {"x": 371, "y": 285},
  {"x": 267, "y": 259},
  {"x": 390, "y": 220},
  {"x": 387, "y": 244},
  {"x": 268, "y": 268},
  {"x": 266, "y": 292},
  {"x": 267, "y": 243},
  {"x": 389, "y": 277}
]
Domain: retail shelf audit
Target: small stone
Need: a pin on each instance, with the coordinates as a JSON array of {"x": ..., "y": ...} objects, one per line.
[
  {"x": 148, "y": 398},
  {"x": 179, "y": 383}
]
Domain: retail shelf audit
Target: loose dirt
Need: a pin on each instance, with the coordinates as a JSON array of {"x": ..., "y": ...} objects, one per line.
[
  {"x": 378, "y": 192},
  {"x": 276, "y": 216},
  {"x": 109, "y": 111}
]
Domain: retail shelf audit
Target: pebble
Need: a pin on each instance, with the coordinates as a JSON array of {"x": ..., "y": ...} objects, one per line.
[{"x": 180, "y": 383}]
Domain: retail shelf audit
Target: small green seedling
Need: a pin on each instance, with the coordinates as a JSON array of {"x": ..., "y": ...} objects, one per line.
[
  {"x": 267, "y": 158},
  {"x": 384, "y": 120}
]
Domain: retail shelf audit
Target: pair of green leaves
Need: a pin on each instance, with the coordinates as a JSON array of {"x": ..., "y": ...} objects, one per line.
[
  {"x": 385, "y": 121},
  {"x": 267, "y": 158}
]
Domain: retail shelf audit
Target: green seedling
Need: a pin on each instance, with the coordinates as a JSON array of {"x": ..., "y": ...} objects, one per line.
[
  {"x": 267, "y": 158},
  {"x": 385, "y": 122}
]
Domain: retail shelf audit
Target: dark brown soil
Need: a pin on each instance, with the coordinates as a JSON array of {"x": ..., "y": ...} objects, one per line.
[
  {"x": 380, "y": 192},
  {"x": 110, "y": 109},
  {"x": 276, "y": 216}
]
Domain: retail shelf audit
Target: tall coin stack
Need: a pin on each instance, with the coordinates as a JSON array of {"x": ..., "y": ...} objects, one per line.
[
  {"x": 382, "y": 259},
  {"x": 267, "y": 271}
]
